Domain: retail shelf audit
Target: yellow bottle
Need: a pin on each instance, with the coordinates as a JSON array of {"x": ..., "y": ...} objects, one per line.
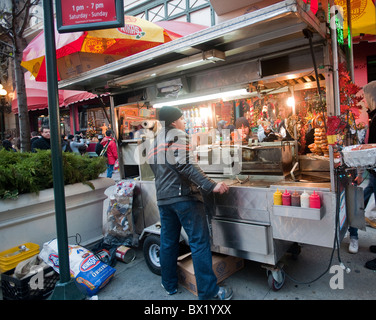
[{"x": 277, "y": 198}]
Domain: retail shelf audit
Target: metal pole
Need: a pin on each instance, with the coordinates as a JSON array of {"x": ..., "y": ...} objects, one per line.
[
  {"x": 65, "y": 289},
  {"x": 333, "y": 31},
  {"x": 349, "y": 41}
]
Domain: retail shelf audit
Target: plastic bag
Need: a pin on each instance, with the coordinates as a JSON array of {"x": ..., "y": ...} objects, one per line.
[
  {"x": 89, "y": 272},
  {"x": 119, "y": 215},
  {"x": 370, "y": 212}
]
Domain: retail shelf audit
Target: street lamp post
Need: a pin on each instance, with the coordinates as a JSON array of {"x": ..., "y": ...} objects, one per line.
[{"x": 3, "y": 93}]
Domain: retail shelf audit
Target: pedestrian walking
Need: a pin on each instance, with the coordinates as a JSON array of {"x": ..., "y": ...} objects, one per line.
[{"x": 110, "y": 151}]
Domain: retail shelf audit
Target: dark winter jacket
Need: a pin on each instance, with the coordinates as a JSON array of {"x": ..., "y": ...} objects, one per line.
[
  {"x": 7, "y": 145},
  {"x": 177, "y": 176},
  {"x": 41, "y": 143}
]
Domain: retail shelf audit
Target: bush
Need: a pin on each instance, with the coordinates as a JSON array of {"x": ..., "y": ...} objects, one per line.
[{"x": 31, "y": 172}]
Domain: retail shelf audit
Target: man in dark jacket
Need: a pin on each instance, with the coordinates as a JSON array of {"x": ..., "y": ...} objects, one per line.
[
  {"x": 43, "y": 143},
  {"x": 7, "y": 143},
  {"x": 178, "y": 181},
  {"x": 34, "y": 136}
]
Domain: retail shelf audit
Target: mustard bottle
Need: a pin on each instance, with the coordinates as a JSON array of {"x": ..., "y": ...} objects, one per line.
[{"x": 277, "y": 198}]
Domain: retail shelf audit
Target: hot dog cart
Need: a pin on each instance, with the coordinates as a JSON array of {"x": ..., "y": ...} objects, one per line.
[
  {"x": 245, "y": 223},
  {"x": 277, "y": 47}
]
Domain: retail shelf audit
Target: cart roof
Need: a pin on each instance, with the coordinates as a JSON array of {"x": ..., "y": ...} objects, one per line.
[{"x": 266, "y": 32}]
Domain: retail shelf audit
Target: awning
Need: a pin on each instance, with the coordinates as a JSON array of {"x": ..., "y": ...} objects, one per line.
[
  {"x": 240, "y": 46},
  {"x": 71, "y": 97},
  {"x": 37, "y": 96}
]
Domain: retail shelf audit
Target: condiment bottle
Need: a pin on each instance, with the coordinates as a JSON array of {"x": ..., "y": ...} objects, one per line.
[
  {"x": 304, "y": 200},
  {"x": 286, "y": 198},
  {"x": 295, "y": 199},
  {"x": 277, "y": 198},
  {"x": 314, "y": 201}
]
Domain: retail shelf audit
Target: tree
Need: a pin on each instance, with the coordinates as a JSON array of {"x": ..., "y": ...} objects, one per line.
[{"x": 14, "y": 19}]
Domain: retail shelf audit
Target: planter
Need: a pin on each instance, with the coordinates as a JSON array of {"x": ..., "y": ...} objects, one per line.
[{"x": 31, "y": 218}]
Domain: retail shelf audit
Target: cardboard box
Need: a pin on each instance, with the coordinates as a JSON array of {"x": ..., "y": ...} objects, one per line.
[
  {"x": 223, "y": 267},
  {"x": 74, "y": 64}
]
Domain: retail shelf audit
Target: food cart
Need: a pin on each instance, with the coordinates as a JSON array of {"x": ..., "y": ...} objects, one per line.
[{"x": 275, "y": 49}]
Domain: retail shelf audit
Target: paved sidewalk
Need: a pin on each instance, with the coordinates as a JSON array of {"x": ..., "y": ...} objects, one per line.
[{"x": 134, "y": 281}]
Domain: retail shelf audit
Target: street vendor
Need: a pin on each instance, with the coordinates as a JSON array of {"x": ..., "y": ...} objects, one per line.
[
  {"x": 179, "y": 182},
  {"x": 243, "y": 131},
  {"x": 265, "y": 132},
  {"x": 282, "y": 127}
]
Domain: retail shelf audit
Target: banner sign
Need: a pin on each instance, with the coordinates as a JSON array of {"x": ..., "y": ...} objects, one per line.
[{"x": 83, "y": 15}]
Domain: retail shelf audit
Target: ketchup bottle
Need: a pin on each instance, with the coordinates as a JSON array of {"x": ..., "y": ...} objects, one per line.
[
  {"x": 314, "y": 201},
  {"x": 286, "y": 198}
]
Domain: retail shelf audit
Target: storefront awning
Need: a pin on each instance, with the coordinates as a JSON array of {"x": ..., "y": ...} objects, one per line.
[
  {"x": 244, "y": 42},
  {"x": 37, "y": 96}
]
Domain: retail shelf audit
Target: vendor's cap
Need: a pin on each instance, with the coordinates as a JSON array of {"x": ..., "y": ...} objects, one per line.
[{"x": 169, "y": 115}]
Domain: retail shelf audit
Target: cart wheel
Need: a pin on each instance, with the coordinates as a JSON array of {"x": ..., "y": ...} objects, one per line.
[
  {"x": 151, "y": 253},
  {"x": 276, "y": 279}
]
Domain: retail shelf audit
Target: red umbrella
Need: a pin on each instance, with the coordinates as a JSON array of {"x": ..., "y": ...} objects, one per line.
[
  {"x": 177, "y": 29},
  {"x": 137, "y": 35}
]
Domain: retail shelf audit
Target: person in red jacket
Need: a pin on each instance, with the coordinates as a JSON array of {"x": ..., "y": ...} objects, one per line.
[{"x": 111, "y": 153}]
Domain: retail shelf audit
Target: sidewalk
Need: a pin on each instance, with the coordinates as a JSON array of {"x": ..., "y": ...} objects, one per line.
[{"x": 134, "y": 281}]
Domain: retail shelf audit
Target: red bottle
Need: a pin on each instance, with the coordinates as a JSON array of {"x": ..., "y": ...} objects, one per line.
[
  {"x": 314, "y": 201},
  {"x": 286, "y": 198}
]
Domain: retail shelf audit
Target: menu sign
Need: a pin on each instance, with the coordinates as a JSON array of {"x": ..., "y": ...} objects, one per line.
[{"x": 82, "y": 15}]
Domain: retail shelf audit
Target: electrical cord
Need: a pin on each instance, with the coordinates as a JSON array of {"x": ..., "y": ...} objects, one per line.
[{"x": 336, "y": 243}]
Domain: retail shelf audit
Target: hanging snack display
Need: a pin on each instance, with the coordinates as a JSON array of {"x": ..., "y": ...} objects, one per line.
[{"x": 320, "y": 146}]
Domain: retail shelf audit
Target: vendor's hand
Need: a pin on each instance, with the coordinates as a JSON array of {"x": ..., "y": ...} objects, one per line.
[{"x": 221, "y": 188}]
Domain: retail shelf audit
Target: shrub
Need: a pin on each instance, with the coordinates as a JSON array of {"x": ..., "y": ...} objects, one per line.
[{"x": 31, "y": 172}]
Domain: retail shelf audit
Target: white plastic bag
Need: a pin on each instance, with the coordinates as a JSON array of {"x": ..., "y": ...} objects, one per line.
[{"x": 370, "y": 211}]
